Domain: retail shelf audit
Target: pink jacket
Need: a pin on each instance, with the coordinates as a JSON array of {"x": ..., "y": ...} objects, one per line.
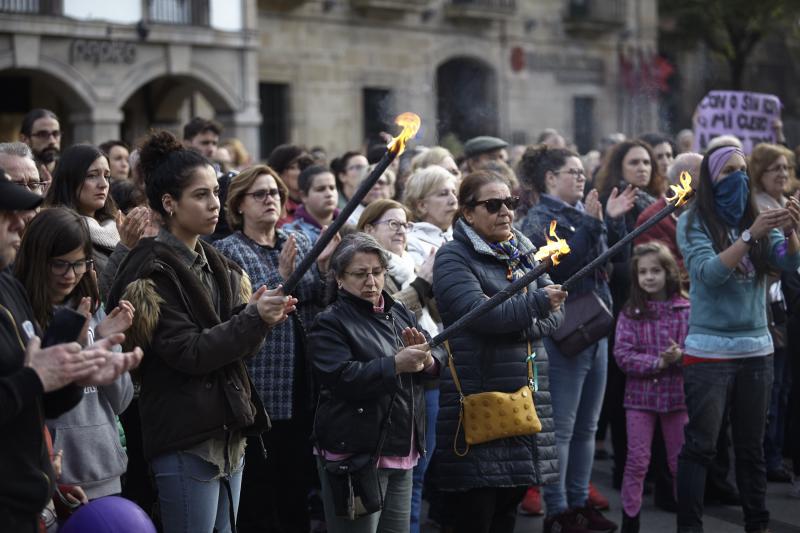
[{"x": 637, "y": 346}]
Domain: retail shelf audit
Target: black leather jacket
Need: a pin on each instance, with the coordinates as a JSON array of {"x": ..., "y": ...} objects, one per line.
[{"x": 352, "y": 351}]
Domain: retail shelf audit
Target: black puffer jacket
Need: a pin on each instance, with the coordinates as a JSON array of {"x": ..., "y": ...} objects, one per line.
[
  {"x": 490, "y": 356},
  {"x": 352, "y": 351}
]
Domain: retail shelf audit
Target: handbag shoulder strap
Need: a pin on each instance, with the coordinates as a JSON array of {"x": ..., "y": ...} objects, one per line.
[{"x": 457, "y": 382}]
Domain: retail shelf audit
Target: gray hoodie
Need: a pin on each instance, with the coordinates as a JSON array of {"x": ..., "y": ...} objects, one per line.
[{"x": 88, "y": 434}]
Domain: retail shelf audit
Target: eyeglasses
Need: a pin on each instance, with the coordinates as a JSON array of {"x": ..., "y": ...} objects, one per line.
[
  {"x": 575, "y": 172},
  {"x": 33, "y": 186},
  {"x": 493, "y": 205},
  {"x": 396, "y": 225},
  {"x": 362, "y": 276},
  {"x": 780, "y": 168},
  {"x": 261, "y": 194},
  {"x": 359, "y": 168},
  {"x": 60, "y": 268},
  {"x": 44, "y": 135}
]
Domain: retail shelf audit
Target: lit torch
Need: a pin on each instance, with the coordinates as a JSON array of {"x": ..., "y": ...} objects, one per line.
[
  {"x": 550, "y": 254},
  {"x": 410, "y": 124},
  {"x": 682, "y": 194}
]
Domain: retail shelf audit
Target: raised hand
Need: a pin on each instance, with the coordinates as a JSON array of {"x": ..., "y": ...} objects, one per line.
[
  {"x": 592, "y": 205},
  {"x": 426, "y": 268},
  {"x": 766, "y": 221},
  {"x": 287, "y": 257},
  {"x": 85, "y": 308},
  {"x": 132, "y": 226},
  {"x": 412, "y": 337},
  {"x": 118, "y": 321},
  {"x": 116, "y": 363},
  {"x": 324, "y": 259},
  {"x": 60, "y": 365},
  {"x": 618, "y": 203}
]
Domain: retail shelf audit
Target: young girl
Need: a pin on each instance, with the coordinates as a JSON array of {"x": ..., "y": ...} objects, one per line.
[
  {"x": 55, "y": 266},
  {"x": 650, "y": 332}
]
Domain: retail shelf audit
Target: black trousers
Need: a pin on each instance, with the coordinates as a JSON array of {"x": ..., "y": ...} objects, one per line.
[
  {"x": 484, "y": 510},
  {"x": 274, "y": 496}
]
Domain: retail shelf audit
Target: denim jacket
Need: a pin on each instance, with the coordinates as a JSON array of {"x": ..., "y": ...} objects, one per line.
[{"x": 587, "y": 238}]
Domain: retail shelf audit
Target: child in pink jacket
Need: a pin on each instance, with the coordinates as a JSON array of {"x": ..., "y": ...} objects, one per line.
[{"x": 648, "y": 348}]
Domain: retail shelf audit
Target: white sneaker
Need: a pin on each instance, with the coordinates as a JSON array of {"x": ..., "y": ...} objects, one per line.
[{"x": 794, "y": 492}]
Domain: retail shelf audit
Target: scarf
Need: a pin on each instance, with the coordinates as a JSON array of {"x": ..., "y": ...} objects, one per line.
[
  {"x": 509, "y": 252},
  {"x": 104, "y": 235},
  {"x": 401, "y": 269},
  {"x": 731, "y": 194}
]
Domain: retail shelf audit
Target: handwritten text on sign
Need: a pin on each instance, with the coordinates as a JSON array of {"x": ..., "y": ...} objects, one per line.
[{"x": 748, "y": 116}]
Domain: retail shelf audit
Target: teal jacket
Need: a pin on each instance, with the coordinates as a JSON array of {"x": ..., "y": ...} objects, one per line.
[{"x": 726, "y": 302}]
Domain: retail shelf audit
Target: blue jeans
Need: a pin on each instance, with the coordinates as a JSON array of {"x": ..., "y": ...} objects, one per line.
[
  {"x": 393, "y": 518},
  {"x": 192, "y": 498},
  {"x": 431, "y": 411},
  {"x": 577, "y": 385},
  {"x": 744, "y": 386}
]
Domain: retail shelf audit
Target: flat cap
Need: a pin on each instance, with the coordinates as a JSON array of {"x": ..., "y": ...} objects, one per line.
[{"x": 483, "y": 144}]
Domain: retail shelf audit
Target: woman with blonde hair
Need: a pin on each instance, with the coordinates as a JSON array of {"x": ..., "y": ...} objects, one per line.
[
  {"x": 771, "y": 167},
  {"x": 438, "y": 156},
  {"x": 431, "y": 195}
]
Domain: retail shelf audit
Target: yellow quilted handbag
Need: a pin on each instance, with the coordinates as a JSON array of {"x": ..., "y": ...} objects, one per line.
[{"x": 488, "y": 416}]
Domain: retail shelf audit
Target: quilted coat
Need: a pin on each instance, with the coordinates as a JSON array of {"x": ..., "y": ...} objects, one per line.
[{"x": 491, "y": 355}]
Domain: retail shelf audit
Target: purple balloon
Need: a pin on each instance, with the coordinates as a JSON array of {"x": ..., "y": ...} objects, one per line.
[{"x": 111, "y": 514}]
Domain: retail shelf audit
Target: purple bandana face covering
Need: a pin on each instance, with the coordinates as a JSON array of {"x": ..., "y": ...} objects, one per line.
[{"x": 717, "y": 160}]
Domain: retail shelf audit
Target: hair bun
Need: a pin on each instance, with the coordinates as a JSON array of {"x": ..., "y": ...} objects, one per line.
[{"x": 155, "y": 149}]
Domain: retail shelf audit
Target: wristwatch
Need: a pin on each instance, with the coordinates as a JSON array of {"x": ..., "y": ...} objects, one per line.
[{"x": 747, "y": 238}]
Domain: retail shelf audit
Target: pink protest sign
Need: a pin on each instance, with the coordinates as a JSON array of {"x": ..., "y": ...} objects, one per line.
[{"x": 748, "y": 116}]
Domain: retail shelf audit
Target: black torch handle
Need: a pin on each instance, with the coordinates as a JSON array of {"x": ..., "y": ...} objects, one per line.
[
  {"x": 617, "y": 248},
  {"x": 291, "y": 284},
  {"x": 509, "y": 291}
]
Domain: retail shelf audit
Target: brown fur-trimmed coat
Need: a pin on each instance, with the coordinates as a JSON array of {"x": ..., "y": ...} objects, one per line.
[{"x": 194, "y": 383}]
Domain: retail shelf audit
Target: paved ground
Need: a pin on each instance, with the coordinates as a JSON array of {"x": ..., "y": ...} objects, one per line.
[{"x": 785, "y": 511}]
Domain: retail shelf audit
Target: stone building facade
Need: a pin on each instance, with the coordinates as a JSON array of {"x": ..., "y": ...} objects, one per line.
[
  {"x": 115, "y": 69},
  {"x": 329, "y": 72},
  {"x": 339, "y": 69}
]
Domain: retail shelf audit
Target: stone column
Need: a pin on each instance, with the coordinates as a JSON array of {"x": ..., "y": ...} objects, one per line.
[{"x": 96, "y": 126}]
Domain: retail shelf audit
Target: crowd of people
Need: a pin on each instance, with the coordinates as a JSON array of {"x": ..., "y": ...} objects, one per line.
[{"x": 194, "y": 387}]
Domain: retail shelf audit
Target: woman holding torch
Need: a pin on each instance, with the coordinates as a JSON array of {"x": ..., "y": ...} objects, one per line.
[
  {"x": 485, "y": 485},
  {"x": 728, "y": 248}
]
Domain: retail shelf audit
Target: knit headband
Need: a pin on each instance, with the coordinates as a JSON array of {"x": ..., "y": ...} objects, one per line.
[{"x": 717, "y": 160}]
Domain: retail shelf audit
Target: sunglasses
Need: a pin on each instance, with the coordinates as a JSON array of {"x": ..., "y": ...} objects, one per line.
[{"x": 493, "y": 205}]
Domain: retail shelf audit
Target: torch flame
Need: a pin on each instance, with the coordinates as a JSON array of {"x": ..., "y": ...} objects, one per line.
[
  {"x": 410, "y": 123},
  {"x": 683, "y": 191},
  {"x": 554, "y": 248}
]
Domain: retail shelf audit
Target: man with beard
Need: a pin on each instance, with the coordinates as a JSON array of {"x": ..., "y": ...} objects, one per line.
[{"x": 40, "y": 130}]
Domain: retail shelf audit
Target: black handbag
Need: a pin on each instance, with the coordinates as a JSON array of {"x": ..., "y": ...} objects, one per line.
[
  {"x": 354, "y": 481},
  {"x": 587, "y": 319}
]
